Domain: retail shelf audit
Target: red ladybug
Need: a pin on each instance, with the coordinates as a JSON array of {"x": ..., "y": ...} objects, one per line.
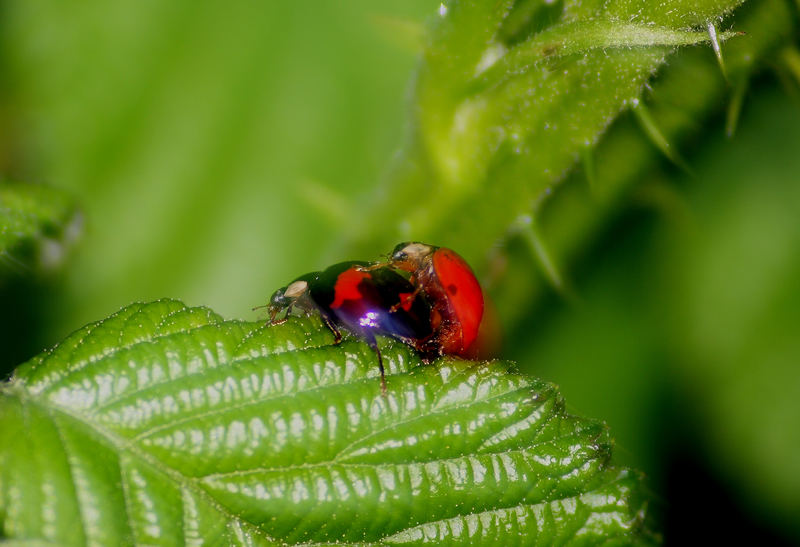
[
  {"x": 363, "y": 299},
  {"x": 425, "y": 296},
  {"x": 454, "y": 294}
]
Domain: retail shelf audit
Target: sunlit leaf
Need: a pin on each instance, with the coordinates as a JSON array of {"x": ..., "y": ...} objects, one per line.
[
  {"x": 686, "y": 93},
  {"x": 167, "y": 424},
  {"x": 508, "y": 98}
]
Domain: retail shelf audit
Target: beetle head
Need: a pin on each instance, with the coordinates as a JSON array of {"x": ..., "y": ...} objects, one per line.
[
  {"x": 285, "y": 297},
  {"x": 411, "y": 254}
]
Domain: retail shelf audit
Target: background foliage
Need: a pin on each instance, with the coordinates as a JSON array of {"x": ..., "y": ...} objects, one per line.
[{"x": 218, "y": 150}]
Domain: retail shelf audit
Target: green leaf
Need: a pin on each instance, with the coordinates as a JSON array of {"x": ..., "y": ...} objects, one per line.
[
  {"x": 167, "y": 424},
  {"x": 510, "y": 95},
  {"x": 681, "y": 100},
  {"x": 33, "y": 220}
]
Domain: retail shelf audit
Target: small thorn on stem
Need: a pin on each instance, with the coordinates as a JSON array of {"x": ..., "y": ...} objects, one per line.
[
  {"x": 589, "y": 170},
  {"x": 651, "y": 129},
  {"x": 735, "y": 107},
  {"x": 530, "y": 233},
  {"x": 712, "y": 35}
]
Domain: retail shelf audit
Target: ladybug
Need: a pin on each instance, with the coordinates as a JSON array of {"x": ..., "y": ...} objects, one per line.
[
  {"x": 361, "y": 298},
  {"x": 454, "y": 294}
]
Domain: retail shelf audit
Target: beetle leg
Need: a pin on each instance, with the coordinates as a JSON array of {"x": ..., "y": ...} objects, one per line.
[
  {"x": 284, "y": 319},
  {"x": 376, "y": 265},
  {"x": 429, "y": 349},
  {"x": 272, "y": 314},
  {"x": 337, "y": 335},
  {"x": 372, "y": 267},
  {"x": 406, "y": 300},
  {"x": 371, "y": 342}
]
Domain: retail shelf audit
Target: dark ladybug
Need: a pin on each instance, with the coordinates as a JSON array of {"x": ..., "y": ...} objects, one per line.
[
  {"x": 453, "y": 292},
  {"x": 364, "y": 300}
]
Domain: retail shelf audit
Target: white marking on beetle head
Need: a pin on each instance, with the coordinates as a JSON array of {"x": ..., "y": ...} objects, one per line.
[
  {"x": 417, "y": 251},
  {"x": 296, "y": 289}
]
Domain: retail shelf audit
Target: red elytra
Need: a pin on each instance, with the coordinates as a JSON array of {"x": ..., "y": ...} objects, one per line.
[
  {"x": 454, "y": 293},
  {"x": 465, "y": 298}
]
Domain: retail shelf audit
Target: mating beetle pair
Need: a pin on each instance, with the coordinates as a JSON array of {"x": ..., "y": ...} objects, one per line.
[{"x": 424, "y": 296}]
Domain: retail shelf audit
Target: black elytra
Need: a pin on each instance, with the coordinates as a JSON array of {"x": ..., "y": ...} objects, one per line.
[{"x": 364, "y": 301}]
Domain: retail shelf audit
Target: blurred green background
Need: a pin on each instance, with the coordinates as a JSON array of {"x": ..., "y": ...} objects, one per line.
[{"x": 217, "y": 150}]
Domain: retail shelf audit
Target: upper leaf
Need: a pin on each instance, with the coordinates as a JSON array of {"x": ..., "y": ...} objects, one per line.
[
  {"x": 166, "y": 424},
  {"x": 681, "y": 102},
  {"x": 508, "y": 96},
  {"x": 31, "y": 216}
]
